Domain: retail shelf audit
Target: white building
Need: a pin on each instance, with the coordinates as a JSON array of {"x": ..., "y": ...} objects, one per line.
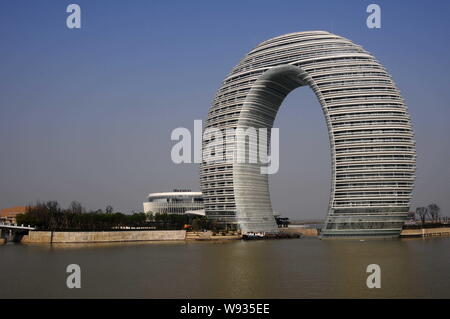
[
  {"x": 371, "y": 137},
  {"x": 176, "y": 202}
]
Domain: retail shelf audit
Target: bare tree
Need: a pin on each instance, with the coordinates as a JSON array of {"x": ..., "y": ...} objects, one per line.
[
  {"x": 434, "y": 210},
  {"x": 76, "y": 207},
  {"x": 109, "y": 209},
  {"x": 422, "y": 212}
]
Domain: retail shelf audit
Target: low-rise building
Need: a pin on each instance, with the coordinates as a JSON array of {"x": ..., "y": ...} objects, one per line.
[
  {"x": 8, "y": 215},
  {"x": 180, "y": 201}
]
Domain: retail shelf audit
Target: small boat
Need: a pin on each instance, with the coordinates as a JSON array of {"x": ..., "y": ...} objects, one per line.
[
  {"x": 253, "y": 236},
  {"x": 281, "y": 235}
]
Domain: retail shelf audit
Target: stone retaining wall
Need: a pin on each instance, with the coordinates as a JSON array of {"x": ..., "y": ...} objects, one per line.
[
  {"x": 208, "y": 235},
  {"x": 106, "y": 236},
  {"x": 301, "y": 230},
  {"x": 425, "y": 232}
]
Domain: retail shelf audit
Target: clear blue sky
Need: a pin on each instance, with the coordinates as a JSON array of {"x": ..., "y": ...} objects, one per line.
[{"x": 87, "y": 114}]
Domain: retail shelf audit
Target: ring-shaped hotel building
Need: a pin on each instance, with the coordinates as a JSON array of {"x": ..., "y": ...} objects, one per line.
[{"x": 370, "y": 133}]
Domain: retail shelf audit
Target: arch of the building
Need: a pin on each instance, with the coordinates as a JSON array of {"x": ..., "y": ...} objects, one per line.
[{"x": 371, "y": 138}]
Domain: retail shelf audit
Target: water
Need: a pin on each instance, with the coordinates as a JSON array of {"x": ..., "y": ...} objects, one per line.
[{"x": 296, "y": 268}]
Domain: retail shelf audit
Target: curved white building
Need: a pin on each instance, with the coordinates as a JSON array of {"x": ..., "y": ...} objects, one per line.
[
  {"x": 371, "y": 138},
  {"x": 176, "y": 202}
]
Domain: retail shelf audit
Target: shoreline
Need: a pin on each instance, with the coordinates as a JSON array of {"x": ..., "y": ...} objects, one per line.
[
  {"x": 61, "y": 237},
  {"x": 65, "y": 237},
  {"x": 426, "y": 232}
]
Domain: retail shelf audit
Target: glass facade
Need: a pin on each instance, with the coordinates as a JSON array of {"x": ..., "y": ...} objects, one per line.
[
  {"x": 370, "y": 132},
  {"x": 173, "y": 202}
]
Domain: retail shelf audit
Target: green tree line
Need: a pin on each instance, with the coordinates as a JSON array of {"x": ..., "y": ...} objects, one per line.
[{"x": 50, "y": 216}]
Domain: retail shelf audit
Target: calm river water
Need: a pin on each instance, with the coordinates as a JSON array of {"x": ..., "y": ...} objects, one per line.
[{"x": 296, "y": 268}]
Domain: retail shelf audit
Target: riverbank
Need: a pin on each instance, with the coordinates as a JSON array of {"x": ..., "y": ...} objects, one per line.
[
  {"x": 301, "y": 230},
  {"x": 48, "y": 237},
  {"x": 405, "y": 233},
  {"x": 209, "y": 235},
  {"x": 426, "y": 232}
]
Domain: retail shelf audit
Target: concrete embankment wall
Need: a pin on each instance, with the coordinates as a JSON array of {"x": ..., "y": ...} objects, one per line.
[
  {"x": 208, "y": 235},
  {"x": 301, "y": 230},
  {"x": 425, "y": 232},
  {"x": 107, "y": 236}
]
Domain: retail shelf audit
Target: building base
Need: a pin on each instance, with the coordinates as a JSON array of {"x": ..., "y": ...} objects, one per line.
[{"x": 361, "y": 234}]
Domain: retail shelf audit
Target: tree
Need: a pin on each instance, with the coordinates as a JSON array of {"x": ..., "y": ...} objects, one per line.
[
  {"x": 76, "y": 207},
  {"x": 109, "y": 209},
  {"x": 196, "y": 224},
  {"x": 434, "y": 210},
  {"x": 422, "y": 212}
]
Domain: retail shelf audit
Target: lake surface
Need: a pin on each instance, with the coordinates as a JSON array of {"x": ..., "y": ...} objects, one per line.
[{"x": 295, "y": 268}]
